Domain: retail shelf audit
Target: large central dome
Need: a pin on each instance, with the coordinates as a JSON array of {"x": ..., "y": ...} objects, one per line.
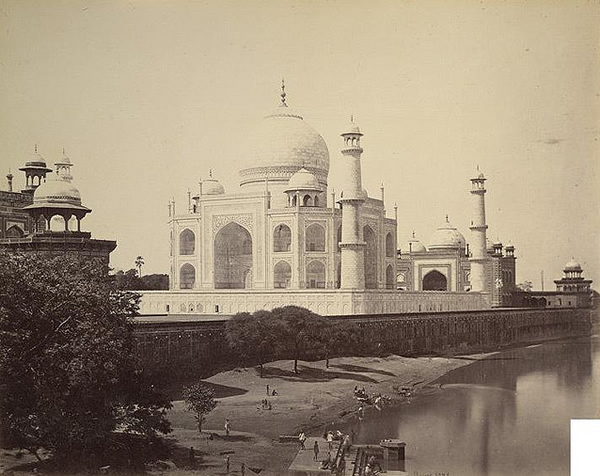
[{"x": 283, "y": 144}]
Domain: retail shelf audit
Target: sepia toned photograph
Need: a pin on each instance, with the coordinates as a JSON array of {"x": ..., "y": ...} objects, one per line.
[{"x": 299, "y": 237}]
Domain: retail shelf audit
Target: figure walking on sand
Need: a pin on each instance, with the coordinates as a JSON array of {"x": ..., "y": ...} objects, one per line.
[
  {"x": 316, "y": 450},
  {"x": 227, "y": 426},
  {"x": 361, "y": 413}
]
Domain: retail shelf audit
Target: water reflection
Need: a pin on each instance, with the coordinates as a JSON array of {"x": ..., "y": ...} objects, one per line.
[{"x": 506, "y": 415}]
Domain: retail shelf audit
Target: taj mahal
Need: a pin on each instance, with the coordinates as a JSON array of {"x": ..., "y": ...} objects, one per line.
[{"x": 276, "y": 242}]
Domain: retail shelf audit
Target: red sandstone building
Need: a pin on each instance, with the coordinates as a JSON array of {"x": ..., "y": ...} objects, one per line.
[{"x": 46, "y": 215}]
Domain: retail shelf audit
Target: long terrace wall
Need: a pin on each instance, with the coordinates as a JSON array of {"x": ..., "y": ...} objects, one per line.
[
  {"x": 326, "y": 302},
  {"x": 200, "y": 347}
]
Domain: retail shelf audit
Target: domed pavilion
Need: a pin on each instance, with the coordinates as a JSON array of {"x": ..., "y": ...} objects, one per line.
[{"x": 55, "y": 196}]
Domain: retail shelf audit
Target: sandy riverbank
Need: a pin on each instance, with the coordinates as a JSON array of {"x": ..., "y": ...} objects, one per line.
[{"x": 315, "y": 399}]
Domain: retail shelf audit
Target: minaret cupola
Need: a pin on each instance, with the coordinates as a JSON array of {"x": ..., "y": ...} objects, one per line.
[{"x": 35, "y": 171}]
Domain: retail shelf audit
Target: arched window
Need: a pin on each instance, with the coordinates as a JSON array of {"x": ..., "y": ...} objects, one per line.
[
  {"x": 282, "y": 275},
  {"x": 282, "y": 238},
  {"x": 187, "y": 242},
  {"x": 233, "y": 258},
  {"x": 294, "y": 200},
  {"x": 370, "y": 258},
  {"x": 435, "y": 281},
  {"x": 338, "y": 276},
  {"x": 315, "y": 275},
  {"x": 316, "y": 200},
  {"x": 339, "y": 237},
  {"x": 389, "y": 245},
  {"x": 187, "y": 276},
  {"x": 307, "y": 201},
  {"x": 389, "y": 277},
  {"x": 315, "y": 238},
  {"x": 14, "y": 232},
  {"x": 57, "y": 223}
]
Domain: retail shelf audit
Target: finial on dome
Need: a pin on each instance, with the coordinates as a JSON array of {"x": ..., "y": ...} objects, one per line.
[
  {"x": 36, "y": 149},
  {"x": 352, "y": 118},
  {"x": 414, "y": 234},
  {"x": 283, "y": 95},
  {"x": 210, "y": 173},
  {"x": 447, "y": 219}
]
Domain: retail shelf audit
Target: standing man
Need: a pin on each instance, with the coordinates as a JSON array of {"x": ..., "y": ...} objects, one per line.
[
  {"x": 316, "y": 450},
  {"x": 227, "y": 427},
  {"x": 330, "y": 440}
]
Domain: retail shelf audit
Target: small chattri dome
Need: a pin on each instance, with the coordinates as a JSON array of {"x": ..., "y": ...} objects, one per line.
[
  {"x": 572, "y": 265},
  {"x": 415, "y": 246},
  {"x": 303, "y": 180},
  {"x": 211, "y": 186},
  {"x": 447, "y": 237}
]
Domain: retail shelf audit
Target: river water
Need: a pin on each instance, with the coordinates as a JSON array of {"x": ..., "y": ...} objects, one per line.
[{"x": 506, "y": 415}]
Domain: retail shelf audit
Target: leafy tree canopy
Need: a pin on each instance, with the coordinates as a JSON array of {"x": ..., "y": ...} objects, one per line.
[
  {"x": 131, "y": 281},
  {"x": 302, "y": 329},
  {"x": 290, "y": 332},
  {"x": 255, "y": 337},
  {"x": 69, "y": 381},
  {"x": 201, "y": 400}
]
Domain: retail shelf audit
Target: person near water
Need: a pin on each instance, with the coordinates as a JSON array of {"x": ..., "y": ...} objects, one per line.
[
  {"x": 227, "y": 426},
  {"x": 302, "y": 440},
  {"x": 316, "y": 450},
  {"x": 361, "y": 413},
  {"x": 330, "y": 440}
]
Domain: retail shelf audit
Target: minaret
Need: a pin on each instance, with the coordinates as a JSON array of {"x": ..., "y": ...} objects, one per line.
[
  {"x": 352, "y": 198},
  {"x": 478, "y": 232}
]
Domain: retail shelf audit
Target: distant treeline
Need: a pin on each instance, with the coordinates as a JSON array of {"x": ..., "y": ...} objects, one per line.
[{"x": 130, "y": 280}]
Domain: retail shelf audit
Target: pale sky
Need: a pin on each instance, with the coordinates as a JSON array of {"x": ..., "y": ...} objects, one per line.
[{"x": 147, "y": 96}]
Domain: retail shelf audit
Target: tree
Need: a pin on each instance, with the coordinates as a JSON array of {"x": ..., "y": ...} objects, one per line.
[
  {"x": 302, "y": 329},
  {"x": 201, "y": 400},
  {"x": 139, "y": 262},
  {"x": 526, "y": 286},
  {"x": 339, "y": 338},
  {"x": 69, "y": 380},
  {"x": 129, "y": 280},
  {"x": 255, "y": 337}
]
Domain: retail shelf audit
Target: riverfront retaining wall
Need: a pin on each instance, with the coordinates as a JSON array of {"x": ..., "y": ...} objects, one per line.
[{"x": 200, "y": 347}]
